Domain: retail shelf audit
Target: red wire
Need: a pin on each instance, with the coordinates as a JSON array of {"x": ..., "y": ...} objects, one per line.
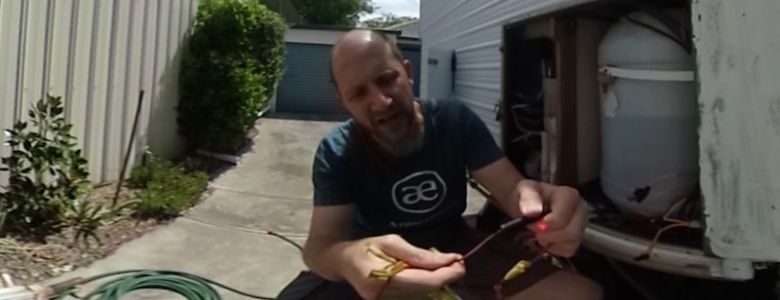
[
  {"x": 541, "y": 225},
  {"x": 658, "y": 235},
  {"x": 479, "y": 246},
  {"x": 468, "y": 254}
]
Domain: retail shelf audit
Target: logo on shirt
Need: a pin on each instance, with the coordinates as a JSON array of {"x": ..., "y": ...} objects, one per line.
[{"x": 420, "y": 192}]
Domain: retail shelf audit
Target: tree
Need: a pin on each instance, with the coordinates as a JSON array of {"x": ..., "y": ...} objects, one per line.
[
  {"x": 333, "y": 12},
  {"x": 386, "y": 20}
]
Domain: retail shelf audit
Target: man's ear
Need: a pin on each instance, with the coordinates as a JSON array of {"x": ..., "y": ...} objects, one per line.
[{"x": 408, "y": 69}]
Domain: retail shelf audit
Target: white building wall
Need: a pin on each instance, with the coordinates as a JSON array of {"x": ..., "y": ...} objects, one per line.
[
  {"x": 472, "y": 29},
  {"x": 97, "y": 55},
  {"x": 739, "y": 136}
]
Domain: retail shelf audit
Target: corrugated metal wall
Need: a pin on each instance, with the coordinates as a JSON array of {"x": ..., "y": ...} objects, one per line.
[
  {"x": 306, "y": 86},
  {"x": 472, "y": 30},
  {"x": 97, "y": 55}
]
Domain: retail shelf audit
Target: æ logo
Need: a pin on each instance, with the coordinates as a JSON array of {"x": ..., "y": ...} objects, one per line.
[{"x": 420, "y": 192}]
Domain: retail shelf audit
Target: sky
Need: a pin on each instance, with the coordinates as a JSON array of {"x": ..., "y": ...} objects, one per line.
[{"x": 409, "y": 8}]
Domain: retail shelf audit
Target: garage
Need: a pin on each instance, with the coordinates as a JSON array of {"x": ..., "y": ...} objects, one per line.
[
  {"x": 410, "y": 49},
  {"x": 306, "y": 87}
]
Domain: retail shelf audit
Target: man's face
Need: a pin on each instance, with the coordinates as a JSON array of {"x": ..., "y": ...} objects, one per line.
[{"x": 376, "y": 89}]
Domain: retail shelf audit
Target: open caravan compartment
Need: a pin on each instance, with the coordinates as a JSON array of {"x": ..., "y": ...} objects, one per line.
[{"x": 605, "y": 97}]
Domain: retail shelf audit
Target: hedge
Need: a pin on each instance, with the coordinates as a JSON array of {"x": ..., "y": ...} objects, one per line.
[{"x": 232, "y": 62}]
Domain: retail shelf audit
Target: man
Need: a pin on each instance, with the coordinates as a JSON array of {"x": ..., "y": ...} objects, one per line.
[{"x": 393, "y": 179}]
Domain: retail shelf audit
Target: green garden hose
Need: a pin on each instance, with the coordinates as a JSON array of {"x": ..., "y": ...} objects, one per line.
[{"x": 191, "y": 287}]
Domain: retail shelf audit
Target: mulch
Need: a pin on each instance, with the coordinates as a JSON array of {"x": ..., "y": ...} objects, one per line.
[{"x": 30, "y": 262}]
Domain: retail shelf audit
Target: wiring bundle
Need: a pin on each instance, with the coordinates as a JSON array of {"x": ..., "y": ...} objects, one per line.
[{"x": 446, "y": 293}]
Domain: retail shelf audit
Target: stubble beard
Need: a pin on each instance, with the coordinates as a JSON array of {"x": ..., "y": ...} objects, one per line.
[
  {"x": 406, "y": 146},
  {"x": 409, "y": 143}
]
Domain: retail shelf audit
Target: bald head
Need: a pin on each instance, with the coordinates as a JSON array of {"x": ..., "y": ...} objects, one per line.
[
  {"x": 360, "y": 40},
  {"x": 374, "y": 84}
]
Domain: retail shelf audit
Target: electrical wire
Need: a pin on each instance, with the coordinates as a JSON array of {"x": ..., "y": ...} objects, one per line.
[
  {"x": 675, "y": 223},
  {"x": 661, "y": 32},
  {"x": 666, "y": 19},
  {"x": 286, "y": 239},
  {"x": 530, "y": 108},
  {"x": 516, "y": 223},
  {"x": 194, "y": 287}
]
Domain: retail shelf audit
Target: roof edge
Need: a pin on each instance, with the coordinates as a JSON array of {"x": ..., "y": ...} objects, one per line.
[
  {"x": 401, "y": 24},
  {"x": 340, "y": 28}
]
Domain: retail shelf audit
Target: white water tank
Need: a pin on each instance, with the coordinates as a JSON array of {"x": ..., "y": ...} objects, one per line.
[{"x": 649, "y": 118}]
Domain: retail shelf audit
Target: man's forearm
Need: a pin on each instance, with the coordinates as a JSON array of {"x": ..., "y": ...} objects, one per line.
[
  {"x": 325, "y": 257},
  {"x": 501, "y": 179},
  {"x": 508, "y": 203}
]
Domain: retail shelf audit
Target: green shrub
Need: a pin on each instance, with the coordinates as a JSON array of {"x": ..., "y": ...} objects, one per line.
[
  {"x": 232, "y": 62},
  {"x": 167, "y": 189},
  {"x": 46, "y": 171}
]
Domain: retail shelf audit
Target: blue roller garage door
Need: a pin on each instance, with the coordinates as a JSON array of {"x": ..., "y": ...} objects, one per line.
[{"x": 305, "y": 86}]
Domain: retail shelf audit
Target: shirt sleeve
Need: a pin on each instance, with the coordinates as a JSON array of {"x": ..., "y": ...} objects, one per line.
[
  {"x": 481, "y": 148},
  {"x": 329, "y": 177}
]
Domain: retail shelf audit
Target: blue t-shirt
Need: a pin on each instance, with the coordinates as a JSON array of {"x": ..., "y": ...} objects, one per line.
[{"x": 420, "y": 197}]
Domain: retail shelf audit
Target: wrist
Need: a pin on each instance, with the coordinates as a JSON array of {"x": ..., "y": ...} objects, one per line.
[{"x": 342, "y": 254}]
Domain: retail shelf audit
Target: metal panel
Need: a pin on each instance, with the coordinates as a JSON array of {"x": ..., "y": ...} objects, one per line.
[
  {"x": 439, "y": 74},
  {"x": 97, "y": 55},
  {"x": 738, "y": 68},
  {"x": 306, "y": 86},
  {"x": 473, "y": 30},
  {"x": 478, "y": 81}
]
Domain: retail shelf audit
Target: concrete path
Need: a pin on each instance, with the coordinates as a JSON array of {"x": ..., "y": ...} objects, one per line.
[{"x": 223, "y": 238}]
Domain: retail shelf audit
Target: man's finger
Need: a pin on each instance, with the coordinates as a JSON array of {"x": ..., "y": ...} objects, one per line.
[
  {"x": 426, "y": 278},
  {"x": 530, "y": 193},
  {"x": 565, "y": 250},
  {"x": 565, "y": 241},
  {"x": 397, "y": 247},
  {"x": 564, "y": 204}
]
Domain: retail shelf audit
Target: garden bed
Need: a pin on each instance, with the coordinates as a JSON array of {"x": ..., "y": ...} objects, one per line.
[{"x": 35, "y": 261}]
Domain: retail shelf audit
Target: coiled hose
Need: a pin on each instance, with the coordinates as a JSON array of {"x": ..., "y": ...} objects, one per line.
[{"x": 191, "y": 287}]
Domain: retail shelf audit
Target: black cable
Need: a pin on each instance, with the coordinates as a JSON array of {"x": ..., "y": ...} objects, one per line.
[
  {"x": 286, "y": 239},
  {"x": 661, "y": 32},
  {"x": 665, "y": 18}
]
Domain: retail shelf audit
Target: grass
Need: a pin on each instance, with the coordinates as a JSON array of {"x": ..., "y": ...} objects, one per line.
[{"x": 165, "y": 188}]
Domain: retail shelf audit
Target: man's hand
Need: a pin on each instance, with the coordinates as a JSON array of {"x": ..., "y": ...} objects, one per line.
[
  {"x": 428, "y": 271},
  {"x": 562, "y": 229},
  {"x": 517, "y": 196}
]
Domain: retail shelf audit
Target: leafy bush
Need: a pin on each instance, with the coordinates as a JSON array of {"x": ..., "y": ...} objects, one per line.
[
  {"x": 232, "y": 62},
  {"x": 46, "y": 171},
  {"x": 86, "y": 217},
  {"x": 166, "y": 189}
]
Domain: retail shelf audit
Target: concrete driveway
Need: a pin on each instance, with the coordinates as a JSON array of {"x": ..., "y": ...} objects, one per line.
[{"x": 224, "y": 238}]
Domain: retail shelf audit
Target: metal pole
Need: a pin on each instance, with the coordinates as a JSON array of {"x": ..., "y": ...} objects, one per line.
[{"x": 129, "y": 148}]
